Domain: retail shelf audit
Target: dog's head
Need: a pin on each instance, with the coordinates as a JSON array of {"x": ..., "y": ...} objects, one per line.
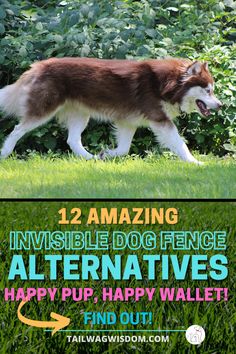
[{"x": 198, "y": 90}]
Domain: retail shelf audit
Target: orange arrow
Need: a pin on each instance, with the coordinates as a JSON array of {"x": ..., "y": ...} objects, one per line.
[{"x": 60, "y": 322}]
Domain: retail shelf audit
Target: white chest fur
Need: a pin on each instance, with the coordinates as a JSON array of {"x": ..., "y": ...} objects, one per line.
[{"x": 171, "y": 110}]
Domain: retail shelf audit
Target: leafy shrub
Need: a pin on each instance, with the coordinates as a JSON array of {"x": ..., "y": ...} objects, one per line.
[{"x": 203, "y": 30}]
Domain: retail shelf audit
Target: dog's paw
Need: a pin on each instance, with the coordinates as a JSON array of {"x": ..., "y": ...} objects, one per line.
[
  {"x": 195, "y": 161},
  {"x": 105, "y": 155},
  {"x": 200, "y": 163},
  {"x": 85, "y": 156},
  {"x": 102, "y": 155},
  {"x": 96, "y": 157}
]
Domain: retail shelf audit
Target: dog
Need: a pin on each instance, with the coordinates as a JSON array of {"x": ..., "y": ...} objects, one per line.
[{"x": 128, "y": 93}]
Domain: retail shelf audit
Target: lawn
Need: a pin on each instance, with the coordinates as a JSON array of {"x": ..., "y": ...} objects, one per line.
[{"x": 129, "y": 177}]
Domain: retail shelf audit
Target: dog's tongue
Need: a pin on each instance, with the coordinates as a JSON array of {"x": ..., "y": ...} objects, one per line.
[{"x": 203, "y": 108}]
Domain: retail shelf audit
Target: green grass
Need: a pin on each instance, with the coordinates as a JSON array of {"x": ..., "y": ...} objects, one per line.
[
  {"x": 217, "y": 318},
  {"x": 129, "y": 177}
]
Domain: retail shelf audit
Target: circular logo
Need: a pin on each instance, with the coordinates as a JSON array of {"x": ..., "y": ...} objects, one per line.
[{"x": 195, "y": 335}]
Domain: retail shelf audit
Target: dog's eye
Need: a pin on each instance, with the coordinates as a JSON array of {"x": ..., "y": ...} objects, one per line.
[{"x": 208, "y": 91}]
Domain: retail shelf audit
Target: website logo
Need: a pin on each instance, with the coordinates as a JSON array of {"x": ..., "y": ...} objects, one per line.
[{"x": 195, "y": 335}]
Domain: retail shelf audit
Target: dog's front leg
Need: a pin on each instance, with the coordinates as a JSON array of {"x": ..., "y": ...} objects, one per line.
[{"x": 168, "y": 136}]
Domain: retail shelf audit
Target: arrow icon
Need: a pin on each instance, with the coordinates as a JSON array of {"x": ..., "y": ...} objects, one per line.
[{"x": 60, "y": 322}]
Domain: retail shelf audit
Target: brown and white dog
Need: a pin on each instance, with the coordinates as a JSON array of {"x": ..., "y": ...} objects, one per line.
[{"x": 128, "y": 93}]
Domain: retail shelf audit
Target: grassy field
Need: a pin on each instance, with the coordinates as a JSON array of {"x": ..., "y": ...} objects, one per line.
[
  {"x": 217, "y": 318},
  {"x": 128, "y": 177}
]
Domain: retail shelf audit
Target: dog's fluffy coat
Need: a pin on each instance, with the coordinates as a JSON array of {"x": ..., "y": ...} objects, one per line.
[{"x": 128, "y": 93}]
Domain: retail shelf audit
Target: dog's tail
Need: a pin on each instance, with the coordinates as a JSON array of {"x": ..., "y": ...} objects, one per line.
[{"x": 11, "y": 100}]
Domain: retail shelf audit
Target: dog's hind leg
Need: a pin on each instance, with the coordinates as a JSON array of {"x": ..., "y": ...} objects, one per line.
[
  {"x": 25, "y": 126},
  {"x": 76, "y": 123},
  {"x": 168, "y": 136},
  {"x": 124, "y": 135}
]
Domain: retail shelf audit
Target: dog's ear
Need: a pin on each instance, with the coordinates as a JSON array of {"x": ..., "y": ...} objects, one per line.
[
  {"x": 205, "y": 65},
  {"x": 195, "y": 68}
]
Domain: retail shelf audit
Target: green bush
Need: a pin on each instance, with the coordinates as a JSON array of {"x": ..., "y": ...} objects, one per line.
[{"x": 202, "y": 30}]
